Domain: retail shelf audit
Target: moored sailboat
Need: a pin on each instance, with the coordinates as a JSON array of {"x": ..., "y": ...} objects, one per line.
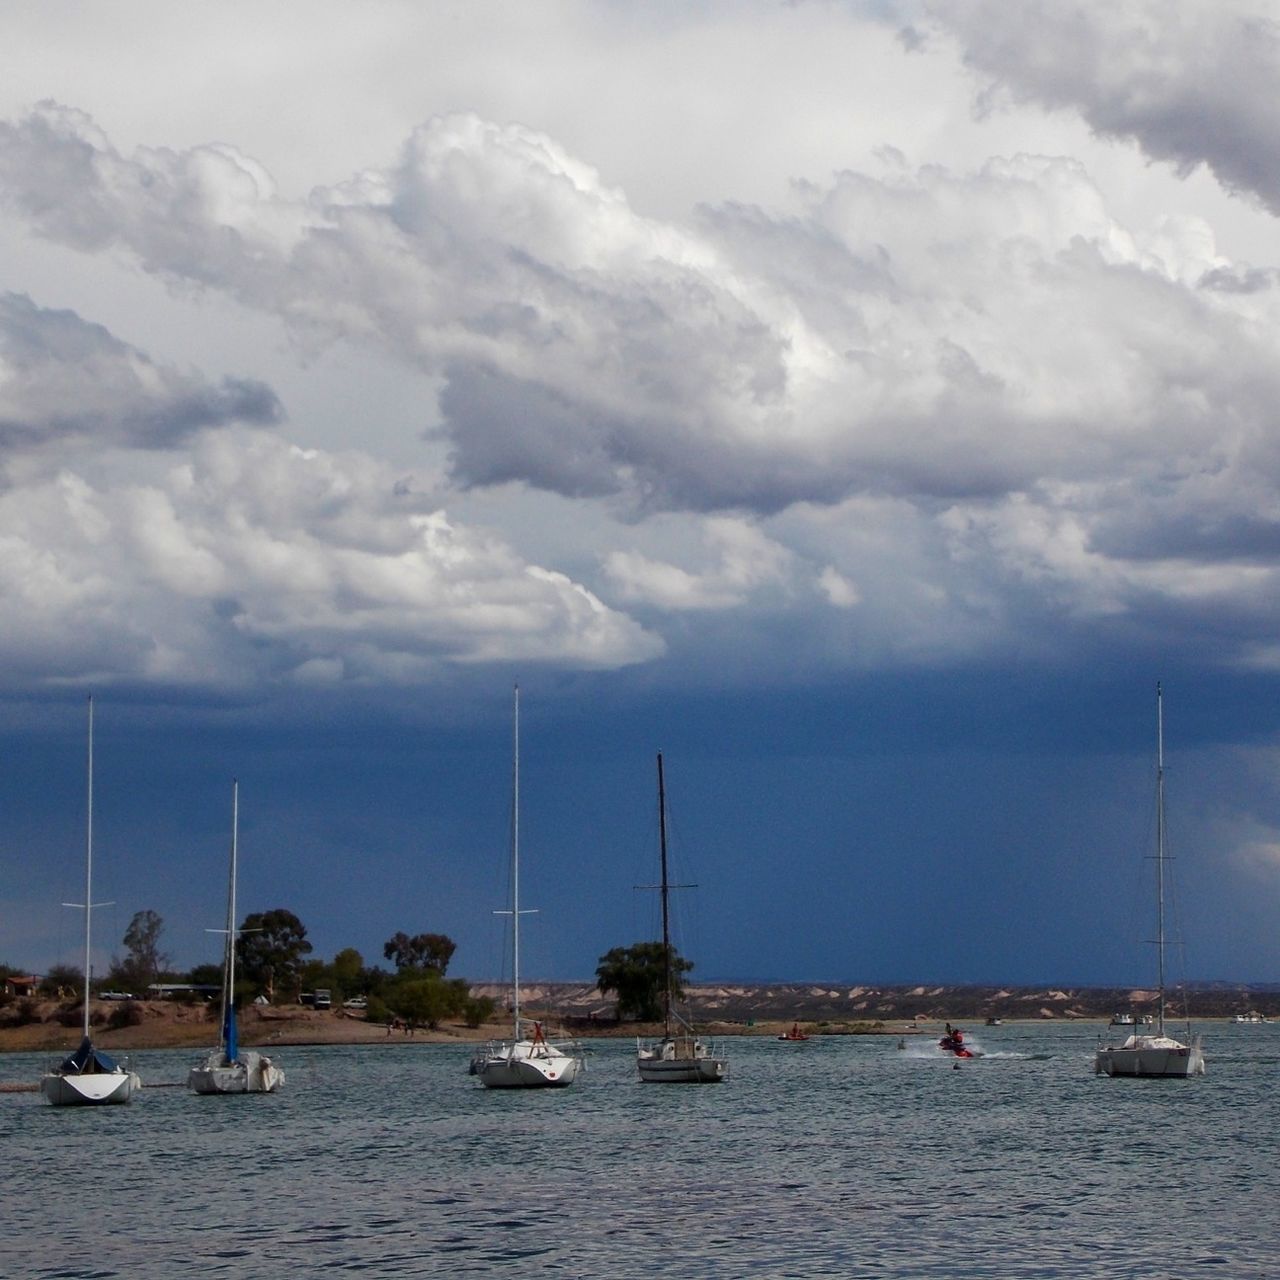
[
  {"x": 1156, "y": 1054},
  {"x": 524, "y": 1061},
  {"x": 228, "y": 1069},
  {"x": 680, "y": 1057},
  {"x": 88, "y": 1077}
]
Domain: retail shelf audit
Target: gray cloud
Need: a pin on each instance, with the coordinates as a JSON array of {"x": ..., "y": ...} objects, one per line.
[
  {"x": 989, "y": 352},
  {"x": 916, "y": 333},
  {"x": 248, "y": 561},
  {"x": 62, "y": 377},
  {"x": 1193, "y": 83}
]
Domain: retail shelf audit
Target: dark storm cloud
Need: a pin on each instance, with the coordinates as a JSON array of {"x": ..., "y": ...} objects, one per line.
[{"x": 1198, "y": 537}]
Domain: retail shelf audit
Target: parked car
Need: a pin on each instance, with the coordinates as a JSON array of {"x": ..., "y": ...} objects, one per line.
[{"x": 357, "y": 1002}]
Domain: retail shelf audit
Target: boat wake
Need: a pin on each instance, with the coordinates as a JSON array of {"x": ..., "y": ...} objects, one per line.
[{"x": 931, "y": 1053}]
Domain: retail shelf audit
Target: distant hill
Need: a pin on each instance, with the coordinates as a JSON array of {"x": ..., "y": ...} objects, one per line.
[{"x": 830, "y": 1002}]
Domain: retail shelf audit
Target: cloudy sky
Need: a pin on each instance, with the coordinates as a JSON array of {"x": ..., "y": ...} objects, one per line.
[{"x": 863, "y": 403}]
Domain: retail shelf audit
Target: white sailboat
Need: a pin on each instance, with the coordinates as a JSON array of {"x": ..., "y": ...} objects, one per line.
[
  {"x": 680, "y": 1057},
  {"x": 88, "y": 1077},
  {"x": 1157, "y": 1054},
  {"x": 524, "y": 1061},
  {"x": 228, "y": 1068}
]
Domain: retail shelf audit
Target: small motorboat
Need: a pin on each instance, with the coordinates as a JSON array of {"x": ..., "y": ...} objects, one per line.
[{"x": 795, "y": 1034}]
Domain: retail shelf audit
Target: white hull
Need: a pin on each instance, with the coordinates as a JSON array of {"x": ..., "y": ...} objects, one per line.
[
  {"x": 526, "y": 1064},
  {"x": 1151, "y": 1057},
  {"x": 680, "y": 1062},
  {"x": 253, "y": 1073},
  {"x": 90, "y": 1089}
]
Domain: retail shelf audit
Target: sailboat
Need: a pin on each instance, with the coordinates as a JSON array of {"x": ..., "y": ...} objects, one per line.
[
  {"x": 525, "y": 1061},
  {"x": 1158, "y": 1054},
  {"x": 88, "y": 1077},
  {"x": 228, "y": 1069},
  {"x": 680, "y": 1057}
]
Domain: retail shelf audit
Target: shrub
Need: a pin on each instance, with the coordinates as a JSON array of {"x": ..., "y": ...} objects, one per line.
[
  {"x": 125, "y": 1015},
  {"x": 478, "y": 1010},
  {"x": 25, "y": 1012}
]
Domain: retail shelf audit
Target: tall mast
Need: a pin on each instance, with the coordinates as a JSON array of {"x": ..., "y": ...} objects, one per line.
[
  {"x": 515, "y": 862},
  {"x": 666, "y": 925},
  {"x": 229, "y": 969},
  {"x": 88, "y": 873},
  {"x": 1160, "y": 853}
]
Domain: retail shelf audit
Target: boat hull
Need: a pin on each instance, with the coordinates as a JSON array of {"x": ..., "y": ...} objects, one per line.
[
  {"x": 526, "y": 1065},
  {"x": 691, "y": 1071},
  {"x": 252, "y": 1073},
  {"x": 1155, "y": 1057},
  {"x": 89, "y": 1089},
  {"x": 681, "y": 1062}
]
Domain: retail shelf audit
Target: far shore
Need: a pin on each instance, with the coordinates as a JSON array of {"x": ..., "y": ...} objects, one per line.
[{"x": 171, "y": 1025}]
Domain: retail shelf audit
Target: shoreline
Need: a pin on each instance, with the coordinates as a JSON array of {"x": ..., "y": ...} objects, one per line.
[
  {"x": 165, "y": 1025},
  {"x": 293, "y": 1027}
]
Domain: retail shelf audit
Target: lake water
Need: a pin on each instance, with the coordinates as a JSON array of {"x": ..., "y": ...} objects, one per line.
[{"x": 840, "y": 1157}]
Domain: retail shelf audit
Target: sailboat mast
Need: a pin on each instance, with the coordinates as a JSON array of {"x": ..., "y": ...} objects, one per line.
[
  {"x": 1160, "y": 853},
  {"x": 666, "y": 922},
  {"x": 88, "y": 873},
  {"x": 515, "y": 862},
  {"x": 229, "y": 969}
]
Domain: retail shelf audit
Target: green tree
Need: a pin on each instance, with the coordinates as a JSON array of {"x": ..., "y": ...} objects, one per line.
[
  {"x": 477, "y": 1010},
  {"x": 346, "y": 966},
  {"x": 373, "y": 980},
  {"x": 63, "y": 980},
  {"x": 270, "y": 951},
  {"x": 143, "y": 960},
  {"x": 315, "y": 973},
  {"x": 423, "y": 998},
  {"x": 206, "y": 975},
  {"x": 421, "y": 951},
  {"x": 636, "y": 975}
]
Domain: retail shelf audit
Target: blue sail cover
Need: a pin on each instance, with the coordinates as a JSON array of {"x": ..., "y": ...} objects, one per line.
[
  {"x": 232, "y": 1048},
  {"x": 87, "y": 1061}
]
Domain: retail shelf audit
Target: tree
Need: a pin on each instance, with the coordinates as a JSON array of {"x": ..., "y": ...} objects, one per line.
[
  {"x": 206, "y": 975},
  {"x": 346, "y": 966},
  {"x": 637, "y": 974},
  {"x": 270, "y": 950},
  {"x": 422, "y": 951},
  {"x": 144, "y": 961},
  {"x": 63, "y": 980},
  {"x": 422, "y": 997},
  {"x": 477, "y": 1010}
]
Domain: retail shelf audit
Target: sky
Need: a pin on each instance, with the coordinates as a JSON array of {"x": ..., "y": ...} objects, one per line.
[{"x": 864, "y": 404}]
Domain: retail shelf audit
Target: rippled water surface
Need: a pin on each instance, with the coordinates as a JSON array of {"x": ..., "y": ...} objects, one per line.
[{"x": 840, "y": 1157}]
